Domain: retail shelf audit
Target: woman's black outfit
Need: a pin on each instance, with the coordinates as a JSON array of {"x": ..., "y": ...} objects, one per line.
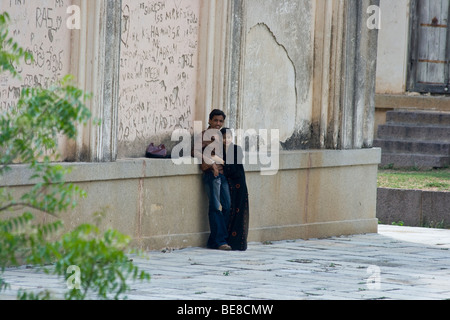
[{"x": 239, "y": 217}]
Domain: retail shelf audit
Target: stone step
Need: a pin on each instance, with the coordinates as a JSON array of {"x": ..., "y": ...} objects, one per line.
[
  {"x": 403, "y": 160},
  {"x": 416, "y": 132},
  {"x": 418, "y": 117},
  {"x": 417, "y": 147}
]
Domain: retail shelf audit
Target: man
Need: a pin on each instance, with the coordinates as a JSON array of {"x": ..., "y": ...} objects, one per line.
[{"x": 215, "y": 182}]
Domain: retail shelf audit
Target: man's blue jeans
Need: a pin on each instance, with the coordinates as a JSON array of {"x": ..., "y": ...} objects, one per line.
[{"x": 218, "y": 193}]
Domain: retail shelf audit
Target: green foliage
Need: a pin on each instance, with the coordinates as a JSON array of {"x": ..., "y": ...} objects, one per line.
[
  {"x": 29, "y": 135},
  {"x": 104, "y": 268},
  {"x": 10, "y": 51},
  {"x": 30, "y": 131},
  {"x": 44, "y": 295}
]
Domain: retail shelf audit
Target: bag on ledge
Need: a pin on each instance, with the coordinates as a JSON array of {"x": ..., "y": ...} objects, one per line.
[{"x": 159, "y": 152}]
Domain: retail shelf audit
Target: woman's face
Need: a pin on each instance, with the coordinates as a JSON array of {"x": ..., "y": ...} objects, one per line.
[{"x": 227, "y": 139}]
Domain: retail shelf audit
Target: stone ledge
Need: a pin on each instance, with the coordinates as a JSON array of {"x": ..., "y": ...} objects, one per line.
[
  {"x": 416, "y": 208},
  {"x": 414, "y": 102},
  {"x": 153, "y": 168},
  {"x": 159, "y": 204}
]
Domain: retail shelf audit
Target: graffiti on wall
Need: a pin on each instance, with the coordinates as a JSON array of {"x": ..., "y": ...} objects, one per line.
[
  {"x": 40, "y": 28},
  {"x": 158, "y": 66}
]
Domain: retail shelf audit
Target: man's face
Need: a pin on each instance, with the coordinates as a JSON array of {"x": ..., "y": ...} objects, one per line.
[{"x": 216, "y": 122}]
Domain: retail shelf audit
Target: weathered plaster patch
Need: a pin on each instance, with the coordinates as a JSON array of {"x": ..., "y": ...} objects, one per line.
[
  {"x": 270, "y": 94},
  {"x": 301, "y": 139}
]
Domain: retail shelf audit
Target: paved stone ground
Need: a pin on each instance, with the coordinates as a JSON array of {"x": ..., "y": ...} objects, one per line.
[{"x": 398, "y": 263}]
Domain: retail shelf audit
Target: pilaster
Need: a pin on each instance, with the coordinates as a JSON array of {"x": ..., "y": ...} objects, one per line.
[{"x": 96, "y": 61}]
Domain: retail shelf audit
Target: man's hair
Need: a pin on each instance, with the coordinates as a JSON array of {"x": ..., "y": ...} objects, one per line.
[{"x": 217, "y": 112}]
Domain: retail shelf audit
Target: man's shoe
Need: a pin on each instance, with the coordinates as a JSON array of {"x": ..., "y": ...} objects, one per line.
[{"x": 225, "y": 247}]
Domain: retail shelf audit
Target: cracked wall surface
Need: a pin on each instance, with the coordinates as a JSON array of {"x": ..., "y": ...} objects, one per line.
[
  {"x": 269, "y": 84},
  {"x": 332, "y": 55},
  {"x": 278, "y": 67}
]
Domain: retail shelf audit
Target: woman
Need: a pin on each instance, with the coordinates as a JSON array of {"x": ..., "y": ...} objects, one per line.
[{"x": 234, "y": 171}]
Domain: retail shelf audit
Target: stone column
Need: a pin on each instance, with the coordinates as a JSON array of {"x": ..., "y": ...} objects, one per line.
[
  {"x": 214, "y": 51},
  {"x": 344, "y": 77},
  {"x": 96, "y": 55},
  {"x": 236, "y": 41},
  {"x": 358, "y": 75}
]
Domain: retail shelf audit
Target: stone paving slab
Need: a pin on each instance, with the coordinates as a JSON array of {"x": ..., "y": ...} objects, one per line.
[{"x": 398, "y": 263}]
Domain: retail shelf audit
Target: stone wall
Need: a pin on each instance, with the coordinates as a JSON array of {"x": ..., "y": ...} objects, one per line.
[
  {"x": 304, "y": 67},
  {"x": 315, "y": 194},
  {"x": 40, "y": 28},
  {"x": 278, "y": 52},
  {"x": 323, "y": 62},
  {"x": 415, "y": 208},
  {"x": 158, "y": 72}
]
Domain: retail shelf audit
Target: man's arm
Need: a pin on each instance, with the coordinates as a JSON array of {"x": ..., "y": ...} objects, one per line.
[{"x": 206, "y": 163}]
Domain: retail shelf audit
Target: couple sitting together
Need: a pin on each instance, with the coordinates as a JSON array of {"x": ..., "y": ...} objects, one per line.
[{"x": 226, "y": 187}]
